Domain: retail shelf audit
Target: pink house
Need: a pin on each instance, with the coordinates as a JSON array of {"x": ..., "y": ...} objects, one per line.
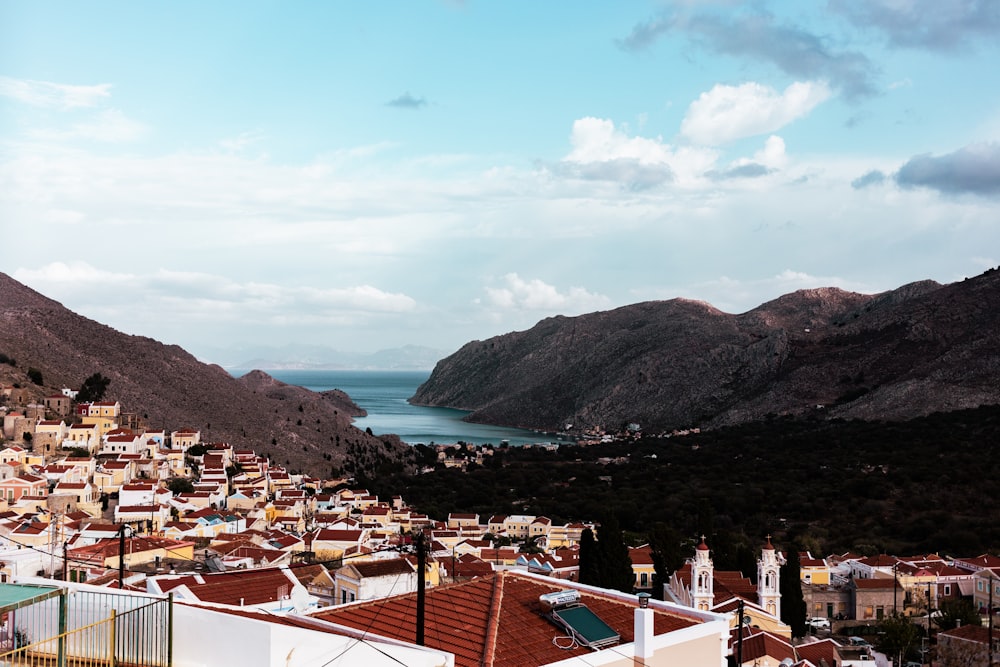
[{"x": 14, "y": 488}]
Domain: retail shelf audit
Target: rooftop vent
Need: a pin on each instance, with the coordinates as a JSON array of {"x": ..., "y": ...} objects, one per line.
[{"x": 565, "y": 611}]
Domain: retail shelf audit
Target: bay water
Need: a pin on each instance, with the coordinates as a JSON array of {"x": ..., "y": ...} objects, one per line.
[{"x": 384, "y": 394}]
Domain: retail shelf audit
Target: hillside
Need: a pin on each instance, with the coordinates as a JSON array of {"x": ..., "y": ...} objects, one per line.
[
  {"x": 918, "y": 349},
  {"x": 170, "y": 389}
]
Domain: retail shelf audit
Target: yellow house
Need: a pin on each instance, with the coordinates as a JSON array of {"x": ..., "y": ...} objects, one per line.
[
  {"x": 813, "y": 570},
  {"x": 31, "y": 535},
  {"x": 457, "y": 521},
  {"x": 138, "y": 551},
  {"x": 753, "y": 616},
  {"x": 13, "y": 455},
  {"x": 84, "y": 436},
  {"x": 107, "y": 409},
  {"x": 642, "y": 567},
  {"x": 104, "y": 425},
  {"x": 518, "y": 526},
  {"x": 565, "y": 536},
  {"x": 373, "y": 579},
  {"x": 184, "y": 439}
]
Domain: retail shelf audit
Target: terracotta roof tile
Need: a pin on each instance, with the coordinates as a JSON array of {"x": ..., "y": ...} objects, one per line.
[{"x": 494, "y": 620}]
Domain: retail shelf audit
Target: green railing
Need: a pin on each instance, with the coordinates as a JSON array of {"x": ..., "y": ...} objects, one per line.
[{"x": 85, "y": 628}]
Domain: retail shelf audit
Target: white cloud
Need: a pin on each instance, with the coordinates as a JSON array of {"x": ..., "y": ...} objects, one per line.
[
  {"x": 519, "y": 294},
  {"x": 603, "y": 152},
  {"x": 152, "y": 302},
  {"x": 108, "y": 126},
  {"x": 53, "y": 95},
  {"x": 238, "y": 143},
  {"x": 735, "y": 295},
  {"x": 725, "y": 113}
]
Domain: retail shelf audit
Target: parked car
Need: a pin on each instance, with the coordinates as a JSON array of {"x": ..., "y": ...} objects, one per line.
[
  {"x": 819, "y": 623},
  {"x": 859, "y": 642}
]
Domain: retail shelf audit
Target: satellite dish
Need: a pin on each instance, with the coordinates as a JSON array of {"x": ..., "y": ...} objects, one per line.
[
  {"x": 787, "y": 662},
  {"x": 300, "y": 598}
]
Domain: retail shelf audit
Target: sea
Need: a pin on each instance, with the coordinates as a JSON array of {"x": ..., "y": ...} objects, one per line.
[{"x": 384, "y": 394}]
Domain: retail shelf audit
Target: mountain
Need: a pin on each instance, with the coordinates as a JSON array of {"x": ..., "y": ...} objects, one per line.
[
  {"x": 318, "y": 357},
  {"x": 168, "y": 388},
  {"x": 921, "y": 348}
]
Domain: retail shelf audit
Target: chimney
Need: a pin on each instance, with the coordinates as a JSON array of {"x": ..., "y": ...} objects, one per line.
[{"x": 643, "y": 630}]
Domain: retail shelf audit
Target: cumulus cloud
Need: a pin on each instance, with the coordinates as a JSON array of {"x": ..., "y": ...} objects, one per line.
[
  {"x": 794, "y": 50},
  {"x": 738, "y": 295},
  {"x": 873, "y": 177},
  {"x": 518, "y": 294},
  {"x": 163, "y": 292},
  {"x": 407, "y": 101},
  {"x": 53, "y": 95},
  {"x": 931, "y": 24},
  {"x": 108, "y": 126},
  {"x": 746, "y": 170},
  {"x": 725, "y": 113},
  {"x": 603, "y": 152},
  {"x": 974, "y": 169}
]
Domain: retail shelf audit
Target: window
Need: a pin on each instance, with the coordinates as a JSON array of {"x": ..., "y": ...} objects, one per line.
[
  {"x": 947, "y": 589},
  {"x": 643, "y": 580}
]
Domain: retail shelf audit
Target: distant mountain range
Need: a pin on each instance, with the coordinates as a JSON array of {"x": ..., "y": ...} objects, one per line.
[
  {"x": 317, "y": 357},
  {"x": 165, "y": 387},
  {"x": 825, "y": 353}
]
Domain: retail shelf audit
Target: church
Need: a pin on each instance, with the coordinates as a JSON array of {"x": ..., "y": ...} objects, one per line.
[{"x": 700, "y": 586}]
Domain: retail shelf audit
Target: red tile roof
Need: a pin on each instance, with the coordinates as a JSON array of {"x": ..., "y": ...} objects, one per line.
[
  {"x": 816, "y": 652},
  {"x": 494, "y": 621},
  {"x": 237, "y": 587},
  {"x": 758, "y": 644}
]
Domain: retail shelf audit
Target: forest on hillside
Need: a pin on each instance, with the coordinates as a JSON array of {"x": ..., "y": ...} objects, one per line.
[{"x": 921, "y": 486}]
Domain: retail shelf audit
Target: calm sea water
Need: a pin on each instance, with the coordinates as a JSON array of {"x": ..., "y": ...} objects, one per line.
[{"x": 384, "y": 394}]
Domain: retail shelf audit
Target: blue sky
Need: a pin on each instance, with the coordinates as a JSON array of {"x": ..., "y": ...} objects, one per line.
[{"x": 371, "y": 175}]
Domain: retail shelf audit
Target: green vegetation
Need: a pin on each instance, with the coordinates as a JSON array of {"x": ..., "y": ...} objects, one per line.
[
  {"x": 93, "y": 388},
  {"x": 4, "y": 359},
  {"x": 897, "y": 637},
  {"x": 604, "y": 562},
  {"x": 793, "y": 605},
  {"x": 180, "y": 485},
  {"x": 35, "y": 376},
  {"x": 831, "y": 486}
]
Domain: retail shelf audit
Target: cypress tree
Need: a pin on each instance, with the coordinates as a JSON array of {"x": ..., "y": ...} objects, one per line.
[
  {"x": 614, "y": 562},
  {"x": 589, "y": 568},
  {"x": 793, "y": 605}
]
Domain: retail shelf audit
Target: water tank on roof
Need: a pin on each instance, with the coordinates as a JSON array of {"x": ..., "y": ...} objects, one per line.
[{"x": 558, "y": 599}]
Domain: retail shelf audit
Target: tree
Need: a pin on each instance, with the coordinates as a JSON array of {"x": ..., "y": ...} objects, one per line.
[
  {"x": 93, "y": 388},
  {"x": 896, "y": 636},
  {"x": 180, "y": 485},
  {"x": 955, "y": 612},
  {"x": 589, "y": 566},
  {"x": 35, "y": 376},
  {"x": 793, "y": 605},
  {"x": 665, "y": 547},
  {"x": 615, "y": 564},
  {"x": 604, "y": 561}
]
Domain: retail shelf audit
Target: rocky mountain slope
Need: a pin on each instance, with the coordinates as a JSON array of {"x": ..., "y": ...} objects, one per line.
[
  {"x": 918, "y": 349},
  {"x": 168, "y": 388}
]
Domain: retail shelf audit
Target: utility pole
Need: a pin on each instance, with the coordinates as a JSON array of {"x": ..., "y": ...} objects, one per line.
[
  {"x": 739, "y": 639},
  {"x": 421, "y": 569},
  {"x": 989, "y": 615},
  {"x": 121, "y": 556},
  {"x": 895, "y": 585},
  {"x": 65, "y": 562}
]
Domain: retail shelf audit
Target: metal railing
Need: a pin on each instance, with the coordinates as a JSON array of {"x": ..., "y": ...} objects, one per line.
[{"x": 89, "y": 629}]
